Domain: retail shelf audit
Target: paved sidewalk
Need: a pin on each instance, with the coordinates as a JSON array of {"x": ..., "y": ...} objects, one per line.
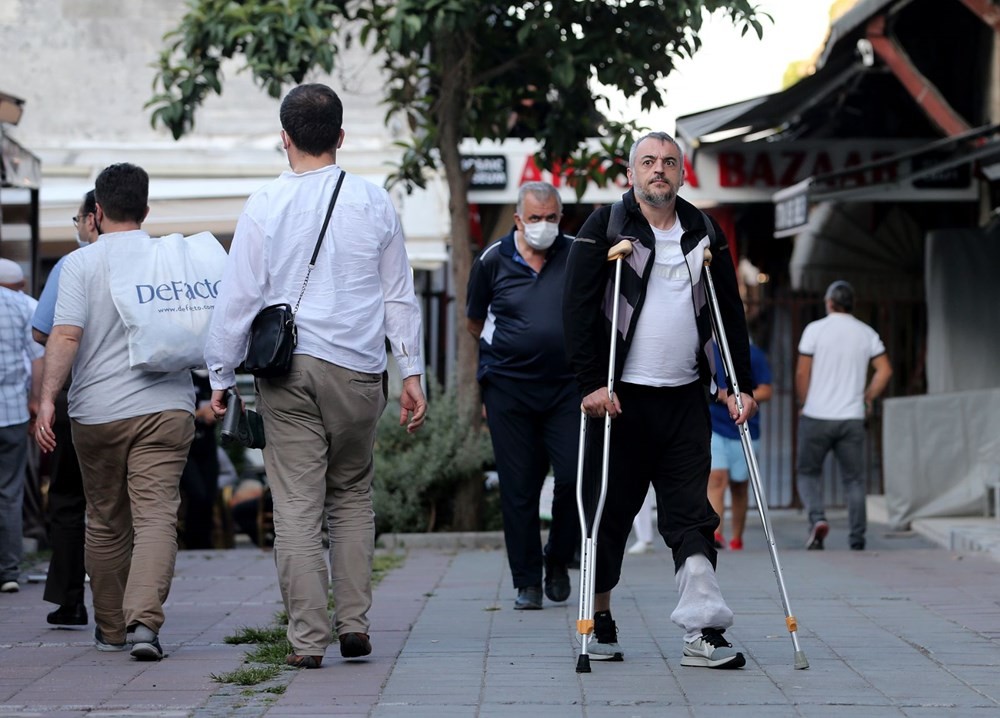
[{"x": 906, "y": 628}]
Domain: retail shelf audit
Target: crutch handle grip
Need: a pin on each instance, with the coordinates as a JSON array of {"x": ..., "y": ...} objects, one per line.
[
  {"x": 622, "y": 249},
  {"x": 708, "y": 256}
]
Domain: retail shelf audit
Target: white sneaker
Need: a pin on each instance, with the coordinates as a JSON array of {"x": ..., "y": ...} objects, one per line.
[
  {"x": 711, "y": 650},
  {"x": 640, "y": 547},
  {"x": 10, "y": 587}
]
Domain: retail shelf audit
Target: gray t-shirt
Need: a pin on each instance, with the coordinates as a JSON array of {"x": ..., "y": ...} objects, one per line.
[{"x": 105, "y": 388}]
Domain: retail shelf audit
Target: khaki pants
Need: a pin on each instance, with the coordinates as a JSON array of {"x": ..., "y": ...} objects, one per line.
[
  {"x": 131, "y": 470},
  {"x": 320, "y": 423}
]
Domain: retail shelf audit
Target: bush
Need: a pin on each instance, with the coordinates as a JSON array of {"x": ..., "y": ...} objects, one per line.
[{"x": 416, "y": 475}]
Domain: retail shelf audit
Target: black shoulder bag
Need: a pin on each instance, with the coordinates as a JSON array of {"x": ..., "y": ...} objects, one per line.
[{"x": 272, "y": 334}]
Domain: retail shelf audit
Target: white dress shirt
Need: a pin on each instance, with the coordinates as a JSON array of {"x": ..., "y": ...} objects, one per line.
[{"x": 359, "y": 293}]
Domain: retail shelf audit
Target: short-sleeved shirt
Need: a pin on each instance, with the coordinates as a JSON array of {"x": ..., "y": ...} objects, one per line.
[
  {"x": 45, "y": 312},
  {"x": 105, "y": 388},
  {"x": 841, "y": 348},
  {"x": 17, "y": 350},
  {"x": 760, "y": 373},
  {"x": 522, "y": 335}
]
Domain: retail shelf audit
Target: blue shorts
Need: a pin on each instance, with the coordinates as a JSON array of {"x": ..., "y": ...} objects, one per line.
[{"x": 727, "y": 454}]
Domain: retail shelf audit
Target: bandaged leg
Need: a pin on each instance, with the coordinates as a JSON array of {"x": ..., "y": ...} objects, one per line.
[{"x": 701, "y": 604}]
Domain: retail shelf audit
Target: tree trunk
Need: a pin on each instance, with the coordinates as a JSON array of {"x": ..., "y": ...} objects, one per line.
[{"x": 468, "y": 502}]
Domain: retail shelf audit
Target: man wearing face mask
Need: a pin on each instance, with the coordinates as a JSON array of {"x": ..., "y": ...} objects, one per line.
[
  {"x": 67, "y": 504},
  {"x": 514, "y": 309}
]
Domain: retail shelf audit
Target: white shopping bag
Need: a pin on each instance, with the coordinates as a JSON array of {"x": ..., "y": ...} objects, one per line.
[{"x": 165, "y": 290}]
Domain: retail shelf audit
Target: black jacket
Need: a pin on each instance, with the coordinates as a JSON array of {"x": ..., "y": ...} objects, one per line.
[{"x": 587, "y": 297}]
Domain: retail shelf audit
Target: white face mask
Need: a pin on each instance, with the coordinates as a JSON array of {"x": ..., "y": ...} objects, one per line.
[
  {"x": 80, "y": 242},
  {"x": 541, "y": 235}
]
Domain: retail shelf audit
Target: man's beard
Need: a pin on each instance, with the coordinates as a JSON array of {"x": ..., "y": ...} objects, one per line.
[{"x": 656, "y": 199}]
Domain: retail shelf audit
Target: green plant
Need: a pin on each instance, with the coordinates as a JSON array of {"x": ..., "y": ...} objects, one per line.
[{"x": 417, "y": 475}]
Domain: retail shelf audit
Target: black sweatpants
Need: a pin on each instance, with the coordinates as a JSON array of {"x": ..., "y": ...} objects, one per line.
[
  {"x": 533, "y": 424},
  {"x": 663, "y": 436}
]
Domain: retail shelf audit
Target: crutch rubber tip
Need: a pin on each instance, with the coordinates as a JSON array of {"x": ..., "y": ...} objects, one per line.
[
  {"x": 801, "y": 662},
  {"x": 583, "y": 664}
]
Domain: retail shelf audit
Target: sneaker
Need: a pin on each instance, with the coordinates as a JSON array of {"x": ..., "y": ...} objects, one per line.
[
  {"x": 556, "y": 581},
  {"x": 711, "y": 650},
  {"x": 736, "y": 544},
  {"x": 857, "y": 546},
  {"x": 529, "y": 598},
  {"x": 354, "y": 645},
  {"x": 10, "y": 587},
  {"x": 68, "y": 616},
  {"x": 605, "y": 646},
  {"x": 640, "y": 547},
  {"x": 145, "y": 643},
  {"x": 720, "y": 540},
  {"x": 103, "y": 645},
  {"x": 819, "y": 531}
]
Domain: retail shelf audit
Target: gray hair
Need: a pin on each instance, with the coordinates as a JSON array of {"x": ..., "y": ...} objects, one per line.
[
  {"x": 541, "y": 191},
  {"x": 662, "y": 137},
  {"x": 841, "y": 294}
]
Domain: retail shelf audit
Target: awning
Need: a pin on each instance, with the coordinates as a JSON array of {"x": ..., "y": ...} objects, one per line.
[
  {"x": 851, "y": 20},
  {"x": 740, "y": 121},
  {"x": 939, "y": 171}
]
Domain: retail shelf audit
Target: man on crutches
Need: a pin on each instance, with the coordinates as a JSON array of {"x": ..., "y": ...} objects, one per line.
[{"x": 661, "y": 430}]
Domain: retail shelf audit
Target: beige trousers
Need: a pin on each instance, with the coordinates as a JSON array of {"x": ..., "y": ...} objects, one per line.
[
  {"x": 319, "y": 422},
  {"x": 131, "y": 471}
]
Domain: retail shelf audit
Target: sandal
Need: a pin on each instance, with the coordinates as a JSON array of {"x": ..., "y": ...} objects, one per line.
[{"x": 297, "y": 661}]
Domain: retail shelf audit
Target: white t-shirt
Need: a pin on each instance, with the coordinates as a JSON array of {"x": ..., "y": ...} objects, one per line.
[
  {"x": 664, "y": 350},
  {"x": 841, "y": 348},
  {"x": 105, "y": 388}
]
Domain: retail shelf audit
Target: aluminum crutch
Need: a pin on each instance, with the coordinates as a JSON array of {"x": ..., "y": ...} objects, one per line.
[
  {"x": 588, "y": 529},
  {"x": 748, "y": 453}
]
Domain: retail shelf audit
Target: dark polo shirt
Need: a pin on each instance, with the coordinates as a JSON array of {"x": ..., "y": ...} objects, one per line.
[{"x": 522, "y": 309}]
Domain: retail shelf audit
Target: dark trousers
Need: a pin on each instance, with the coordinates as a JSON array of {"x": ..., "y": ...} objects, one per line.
[
  {"x": 67, "y": 509},
  {"x": 534, "y": 424},
  {"x": 199, "y": 488},
  {"x": 663, "y": 436}
]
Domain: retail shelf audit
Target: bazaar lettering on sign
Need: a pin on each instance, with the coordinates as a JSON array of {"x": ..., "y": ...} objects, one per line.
[{"x": 781, "y": 168}]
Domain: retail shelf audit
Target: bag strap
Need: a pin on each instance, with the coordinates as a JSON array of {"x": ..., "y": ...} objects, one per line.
[
  {"x": 319, "y": 240},
  {"x": 617, "y": 221}
]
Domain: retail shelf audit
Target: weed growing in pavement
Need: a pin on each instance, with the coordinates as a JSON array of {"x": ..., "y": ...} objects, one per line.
[
  {"x": 247, "y": 675},
  {"x": 267, "y": 659}
]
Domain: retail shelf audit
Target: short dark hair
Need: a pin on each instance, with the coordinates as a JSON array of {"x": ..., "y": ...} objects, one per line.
[
  {"x": 122, "y": 190},
  {"x": 841, "y": 294},
  {"x": 89, "y": 203},
  {"x": 312, "y": 116}
]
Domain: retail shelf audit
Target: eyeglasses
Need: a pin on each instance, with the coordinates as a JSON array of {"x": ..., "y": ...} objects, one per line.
[{"x": 77, "y": 218}]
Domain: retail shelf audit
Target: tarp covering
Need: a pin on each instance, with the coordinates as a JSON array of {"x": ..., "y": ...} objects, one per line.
[
  {"x": 878, "y": 249},
  {"x": 963, "y": 329},
  {"x": 941, "y": 454}
]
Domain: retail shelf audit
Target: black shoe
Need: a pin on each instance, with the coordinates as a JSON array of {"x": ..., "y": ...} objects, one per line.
[
  {"x": 857, "y": 546},
  {"x": 68, "y": 616},
  {"x": 556, "y": 581},
  {"x": 529, "y": 598},
  {"x": 355, "y": 645},
  {"x": 819, "y": 531},
  {"x": 605, "y": 646}
]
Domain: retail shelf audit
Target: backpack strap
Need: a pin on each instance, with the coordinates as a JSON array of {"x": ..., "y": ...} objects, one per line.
[{"x": 617, "y": 221}]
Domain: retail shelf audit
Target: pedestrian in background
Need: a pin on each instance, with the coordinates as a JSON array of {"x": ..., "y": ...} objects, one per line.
[
  {"x": 729, "y": 465},
  {"x": 831, "y": 381},
  {"x": 67, "y": 504},
  {"x": 661, "y": 431},
  {"x": 131, "y": 430},
  {"x": 532, "y": 406},
  {"x": 20, "y": 357},
  {"x": 642, "y": 524},
  {"x": 320, "y": 419}
]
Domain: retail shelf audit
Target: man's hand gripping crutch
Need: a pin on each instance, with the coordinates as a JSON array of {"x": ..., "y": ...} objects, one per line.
[
  {"x": 608, "y": 407},
  {"x": 751, "y": 459}
]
